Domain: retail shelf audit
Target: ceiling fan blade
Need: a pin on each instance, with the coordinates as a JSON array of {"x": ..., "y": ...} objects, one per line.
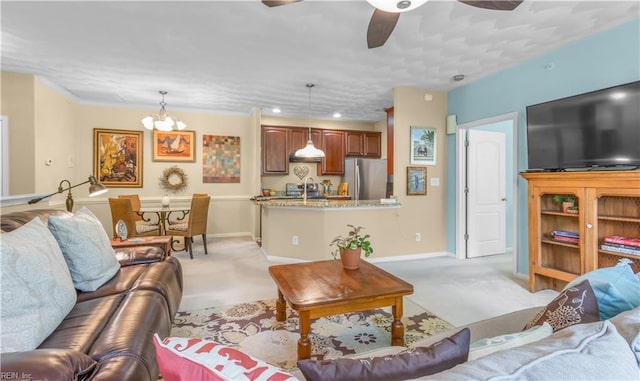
[
  {"x": 380, "y": 27},
  {"x": 499, "y": 5},
  {"x": 278, "y": 3}
]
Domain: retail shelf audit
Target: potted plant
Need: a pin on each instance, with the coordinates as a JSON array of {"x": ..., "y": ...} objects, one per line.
[
  {"x": 567, "y": 201},
  {"x": 350, "y": 247}
]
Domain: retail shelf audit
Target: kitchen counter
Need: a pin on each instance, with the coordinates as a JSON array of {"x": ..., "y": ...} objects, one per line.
[
  {"x": 325, "y": 204},
  {"x": 295, "y": 230}
]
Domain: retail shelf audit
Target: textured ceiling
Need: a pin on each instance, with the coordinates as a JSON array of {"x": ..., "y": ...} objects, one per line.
[{"x": 231, "y": 56}]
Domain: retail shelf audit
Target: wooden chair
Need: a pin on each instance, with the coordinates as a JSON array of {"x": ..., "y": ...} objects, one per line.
[
  {"x": 135, "y": 205},
  {"x": 196, "y": 224},
  {"x": 121, "y": 210}
]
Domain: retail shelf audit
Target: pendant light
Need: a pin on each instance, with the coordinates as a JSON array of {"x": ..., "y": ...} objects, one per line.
[
  {"x": 162, "y": 121},
  {"x": 309, "y": 151}
]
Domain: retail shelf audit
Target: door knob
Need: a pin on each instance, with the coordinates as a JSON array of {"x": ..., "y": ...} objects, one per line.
[{"x": 503, "y": 199}]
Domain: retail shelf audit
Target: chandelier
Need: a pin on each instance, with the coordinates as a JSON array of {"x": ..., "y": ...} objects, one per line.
[
  {"x": 309, "y": 151},
  {"x": 162, "y": 121}
]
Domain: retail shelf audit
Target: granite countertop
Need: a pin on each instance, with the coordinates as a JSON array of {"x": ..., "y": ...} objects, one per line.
[{"x": 325, "y": 204}]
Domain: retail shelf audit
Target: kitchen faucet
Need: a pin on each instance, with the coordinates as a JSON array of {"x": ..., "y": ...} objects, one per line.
[{"x": 304, "y": 195}]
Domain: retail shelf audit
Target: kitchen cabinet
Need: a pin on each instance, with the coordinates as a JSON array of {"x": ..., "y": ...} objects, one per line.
[
  {"x": 372, "y": 144},
  {"x": 298, "y": 138},
  {"x": 608, "y": 205},
  {"x": 275, "y": 150},
  {"x": 363, "y": 144},
  {"x": 334, "y": 150}
]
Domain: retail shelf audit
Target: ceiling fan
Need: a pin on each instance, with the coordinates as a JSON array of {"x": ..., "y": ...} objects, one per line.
[{"x": 387, "y": 12}]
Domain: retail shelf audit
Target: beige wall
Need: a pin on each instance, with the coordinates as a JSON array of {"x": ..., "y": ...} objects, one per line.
[
  {"x": 420, "y": 214},
  {"x": 53, "y": 126},
  {"x": 18, "y": 104}
]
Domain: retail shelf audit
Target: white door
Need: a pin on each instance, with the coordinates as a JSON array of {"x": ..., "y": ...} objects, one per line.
[{"x": 486, "y": 208}]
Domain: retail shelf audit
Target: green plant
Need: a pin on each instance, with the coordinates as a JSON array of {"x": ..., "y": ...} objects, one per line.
[
  {"x": 352, "y": 241},
  {"x": 560, "y": 198}
]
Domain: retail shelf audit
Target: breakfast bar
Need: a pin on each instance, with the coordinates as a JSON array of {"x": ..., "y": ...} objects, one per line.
[{"x": 298, "y": 230}]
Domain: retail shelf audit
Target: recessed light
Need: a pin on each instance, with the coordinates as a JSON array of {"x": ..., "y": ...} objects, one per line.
[
  {"x": 458, "y": 77},
  {"x": 276, "y": 110},
  {"x": 337, "y": 115}
]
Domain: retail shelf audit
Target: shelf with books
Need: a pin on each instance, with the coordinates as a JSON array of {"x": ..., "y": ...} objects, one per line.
[
  {"x": 608, "y": 204},
  {"x": 618, "y": 230}
]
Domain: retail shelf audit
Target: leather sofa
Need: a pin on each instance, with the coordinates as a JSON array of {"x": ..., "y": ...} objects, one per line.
[{"x": 108, "y": 333}]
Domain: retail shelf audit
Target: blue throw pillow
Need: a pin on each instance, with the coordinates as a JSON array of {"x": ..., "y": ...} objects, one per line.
[{"x": 617, "y": 289}]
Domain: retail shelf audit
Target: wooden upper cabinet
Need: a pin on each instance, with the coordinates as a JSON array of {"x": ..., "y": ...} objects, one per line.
[
  {"x": 275, "y": 150},
  {"x": 372, "y": 144},
  {"x": 298, "y": 138},
  {"x": 334, "y": 149},
  {"x": 363, "y": 144},
  {"x": 354, "y": 143}
]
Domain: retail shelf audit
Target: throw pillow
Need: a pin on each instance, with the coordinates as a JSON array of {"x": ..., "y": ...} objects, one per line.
[
  {"x": 86, "y": 248},
  {"x": 593, "y": 351},
  {"x": 487, "y": 346},
  {"x": 37, "y": 291},
  {"x": 187, "y": 359},
  {"x": 414, "y": 362},
  {"x": 617, "y": 289},
  {"x": 574, "y": 305}
]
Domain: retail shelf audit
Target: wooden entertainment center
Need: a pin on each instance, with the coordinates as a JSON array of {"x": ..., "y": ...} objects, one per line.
[{"x": 608, "y": 204}]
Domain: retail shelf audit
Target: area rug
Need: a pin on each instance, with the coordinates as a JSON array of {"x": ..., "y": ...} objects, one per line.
[{"x": 252, "y": 327}]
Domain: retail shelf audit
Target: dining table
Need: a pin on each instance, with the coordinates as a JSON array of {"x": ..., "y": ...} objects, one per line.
[{"x": 163, "y": 214}]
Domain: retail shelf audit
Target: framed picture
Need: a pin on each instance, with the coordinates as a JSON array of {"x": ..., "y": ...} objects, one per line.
[
  {"x": 220, "y": 159},
  {"x": 117, "y": 158},
  {"x": 173, "y": 146},
  {"x": 423, "y": 146},
  {"x": 416, "y": 181}
]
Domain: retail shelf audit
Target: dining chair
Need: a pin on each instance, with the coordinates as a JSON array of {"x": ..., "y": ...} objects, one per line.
[
  {"x": 196, "y": 223},
  {"x": 136, "y": 205},
  {"x": 121, "y": 210}
]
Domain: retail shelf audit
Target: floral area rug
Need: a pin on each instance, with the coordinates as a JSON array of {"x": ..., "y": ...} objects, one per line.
[{"x": 252, "y": 327}]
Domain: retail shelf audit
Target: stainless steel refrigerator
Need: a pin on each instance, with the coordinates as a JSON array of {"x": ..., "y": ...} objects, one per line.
[{"x": 367, "y": 178}]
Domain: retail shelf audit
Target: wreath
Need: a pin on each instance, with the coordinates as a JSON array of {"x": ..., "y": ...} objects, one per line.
[{"x": 173, "y": 179}]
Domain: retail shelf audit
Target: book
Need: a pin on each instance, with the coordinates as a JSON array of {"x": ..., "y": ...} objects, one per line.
[
  {"x": 622, "y": 240},
  {"x": 622, "y": 246},
  {"x": 566, "y": 239},
  {"x": 622, "y": 250},
  {"x": 565, "y": 233}
]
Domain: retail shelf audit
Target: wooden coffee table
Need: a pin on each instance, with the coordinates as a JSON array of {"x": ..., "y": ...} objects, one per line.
[
  {"x": 317, "y": 289},
  {"x": 163, "y": 242}
]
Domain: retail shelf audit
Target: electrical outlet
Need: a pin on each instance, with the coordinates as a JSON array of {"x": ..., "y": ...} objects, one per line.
[
  {"x": 295, "y": 240},
  {"x": 418, "y": 237}
]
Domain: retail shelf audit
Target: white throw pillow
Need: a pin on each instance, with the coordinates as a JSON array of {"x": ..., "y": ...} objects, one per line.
[
  {"x": 37, "y": 291},
  {"x": 86, "y": 248},
  {"x": 487, "y": 346}
]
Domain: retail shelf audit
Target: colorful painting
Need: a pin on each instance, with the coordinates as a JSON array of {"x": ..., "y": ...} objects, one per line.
[
  {"x": 117, "y": 158},
  {"x": 220, "y": 159},
  {"x": 423, "y": 145},
  {"x": 174, "y": 146}
]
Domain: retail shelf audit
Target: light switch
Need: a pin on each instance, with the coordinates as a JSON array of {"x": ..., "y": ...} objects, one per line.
[{"x": 435, "y": 181}]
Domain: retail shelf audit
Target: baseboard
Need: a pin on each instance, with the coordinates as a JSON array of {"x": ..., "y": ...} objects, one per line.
[{"x": 398, "y": 258}]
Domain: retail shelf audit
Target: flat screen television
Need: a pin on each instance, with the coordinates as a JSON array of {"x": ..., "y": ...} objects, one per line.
[{"x": 593, "y": 130}]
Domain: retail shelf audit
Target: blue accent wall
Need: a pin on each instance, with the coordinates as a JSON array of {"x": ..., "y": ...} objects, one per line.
[{"x": 607, "y": 59}]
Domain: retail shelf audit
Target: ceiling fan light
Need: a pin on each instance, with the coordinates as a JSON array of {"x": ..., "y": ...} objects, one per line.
[
  {"x": 396, "y": 6},
  {"x": 309, "y": 151}
]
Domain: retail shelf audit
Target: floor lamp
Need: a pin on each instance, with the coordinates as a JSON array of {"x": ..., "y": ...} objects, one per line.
[{"x": 94, "y": 189}]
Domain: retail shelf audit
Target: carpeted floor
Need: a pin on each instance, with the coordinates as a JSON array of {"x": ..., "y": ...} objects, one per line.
[{"x": 253, "y": 328}]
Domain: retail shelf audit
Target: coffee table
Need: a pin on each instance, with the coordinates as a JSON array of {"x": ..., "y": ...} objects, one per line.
[
  {"x": 317, "y": 289},
  {"x": 163, "y": 242}
]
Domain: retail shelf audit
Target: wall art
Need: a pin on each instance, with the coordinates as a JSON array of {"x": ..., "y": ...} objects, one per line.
[
  {"x": 174, "y": 146},
  {"x": 423, "y": 146},
  {"x": 220, "y": 159},
  {"x": 117, "y": 157},
  {"x": 416, "y": 181}
]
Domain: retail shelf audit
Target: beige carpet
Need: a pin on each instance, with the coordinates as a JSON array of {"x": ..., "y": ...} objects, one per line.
[{"x": 252, "y": 327}]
